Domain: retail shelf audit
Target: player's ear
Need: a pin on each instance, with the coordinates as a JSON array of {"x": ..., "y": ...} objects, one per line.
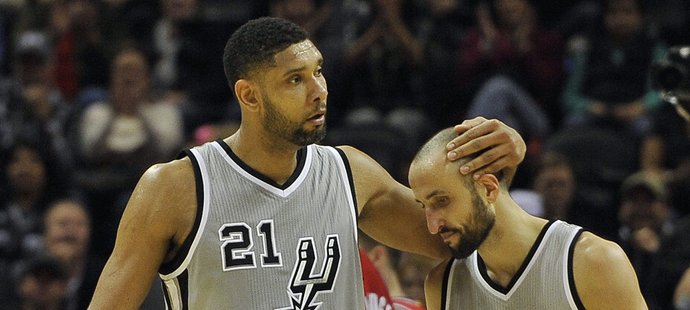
[
  {"x": 247, "y": 94},
  {"x": 489, "y": 186}
]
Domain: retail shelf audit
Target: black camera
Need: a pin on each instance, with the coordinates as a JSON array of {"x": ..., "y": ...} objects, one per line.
[
  {"x": 673, "y": 72},
  {"x": 671, "y": 76}
]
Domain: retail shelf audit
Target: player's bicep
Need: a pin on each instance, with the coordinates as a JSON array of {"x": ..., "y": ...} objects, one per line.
[
  {"x": 370, "y": 179},
  {"x": 144, "y": 236}
]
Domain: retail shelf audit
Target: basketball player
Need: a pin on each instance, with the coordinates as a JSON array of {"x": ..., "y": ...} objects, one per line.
[
  {"x": 265, "y": 218},
  {"x": 505, "y": 258}
]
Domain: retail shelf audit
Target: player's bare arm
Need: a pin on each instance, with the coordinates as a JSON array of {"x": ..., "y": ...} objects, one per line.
[
  {"x": 501, "y": 145},
  {"x": 388, "y": 211},
  {"x": 433, "y": 285},
  {"x": 157, "y": 219},
  {"x": 604, "y": 277}
]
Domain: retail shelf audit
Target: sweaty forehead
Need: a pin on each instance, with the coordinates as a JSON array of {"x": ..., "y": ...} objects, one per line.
[
  {"x": 423, "y": 170},
  {"x": 435, "y": 169},
  {"x": 302, "y": 51}
]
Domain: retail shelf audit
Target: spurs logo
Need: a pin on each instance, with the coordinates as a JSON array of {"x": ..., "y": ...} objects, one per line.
[{"x": 305, "y": 285}]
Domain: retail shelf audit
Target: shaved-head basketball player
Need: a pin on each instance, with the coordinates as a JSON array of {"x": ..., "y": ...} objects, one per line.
[{"x": 505, "y": 258}]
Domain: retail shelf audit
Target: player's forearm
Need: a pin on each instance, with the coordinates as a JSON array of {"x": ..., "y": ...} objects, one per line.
[{"x": 121, "y": 287}]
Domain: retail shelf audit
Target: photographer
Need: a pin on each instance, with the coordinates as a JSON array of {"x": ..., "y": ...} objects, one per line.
[{"x": 667, "y": 152}]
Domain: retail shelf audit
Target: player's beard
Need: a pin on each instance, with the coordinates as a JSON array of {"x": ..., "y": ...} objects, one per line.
[
  {"x": 482, "y": 222},
  {"x": 294, "y": 132}
]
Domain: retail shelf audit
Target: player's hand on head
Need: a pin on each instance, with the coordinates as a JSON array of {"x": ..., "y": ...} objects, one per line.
[{"x": 500, "y": 145}]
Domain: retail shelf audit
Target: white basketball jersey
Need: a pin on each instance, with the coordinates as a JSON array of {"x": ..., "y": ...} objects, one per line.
[
  {"x": 260, "y": 245},
  {"x": 544, "y": 281}
]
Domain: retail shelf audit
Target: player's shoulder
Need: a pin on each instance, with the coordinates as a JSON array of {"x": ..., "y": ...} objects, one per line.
[
  {"x": 599, "y": 265},
  {"x": 370, "y": 178},
  {"x": 360, "y": 161},
  {"x": 352, "y": 152},
  {"x": 604, "y": 277},
  {"x": 177, "y": 167},
  {"x": 597, "y": 252},
  {"x": 170, "y": 176}
]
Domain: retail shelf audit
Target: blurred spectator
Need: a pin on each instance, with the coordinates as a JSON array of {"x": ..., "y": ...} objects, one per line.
[
  {"x": 673, "y": 258},
  {"x": 376, "y": 295},
  {"x": 511, "y": 67},
  {"x": 120, "y": 138},
  {"x": 383, "y": 261},
  {"x": 66, "y": 236},
  {"x": 384, "y": 58},
  {"x": 184, "y": 41},
  {"x": 41, "y": 285},
  {"x": 553, "y": 188},
  {"x": 384, "y": 53},
  {"x": 645, "y": 218},
  {"x": 666, "y": 152},
  {"x": 30, "y": 185},
  {"x": 78, "y": 29},
  {"x": 609, "y": 83},
  {"x": 440, "y": 33},
  {"x": 31, "y": 108},
  {"x": 412, "y": 270},
  {"x": 309, "y": 14},
  {"x": 575, "y": 18},
  {"x": 601, "y": 160},
  {"x": 556, "y": 194},
  {"x": 167, "y": 42},
  {"x": 133, "y": 20}
]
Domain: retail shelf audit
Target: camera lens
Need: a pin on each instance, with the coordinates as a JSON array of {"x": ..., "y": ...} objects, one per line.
[{"x": 668, "y": 77}]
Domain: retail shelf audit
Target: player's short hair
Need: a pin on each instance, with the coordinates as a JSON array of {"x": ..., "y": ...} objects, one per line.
[
  {"x": 255, "y": 43},
  {"x": 435, "y": 144}
]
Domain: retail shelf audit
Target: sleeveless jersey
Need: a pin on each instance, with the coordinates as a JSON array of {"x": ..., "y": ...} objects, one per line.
[
  {"x": 259, "y": 245},
  {"x": 544, "y": 281}
]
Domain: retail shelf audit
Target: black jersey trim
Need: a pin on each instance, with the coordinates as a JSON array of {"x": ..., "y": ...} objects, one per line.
[
  {"x": 176, "y": 262},
  {"x": 166, "y": 296},
  {"x": 444, "y": 284},
  {"x": 183, "y": 282},
  {"x": 350, "y": 180},
  {"x": 301, "y": 161},
  {"x": 571, "y": 275},
  {"x": 530, "y": 255}
]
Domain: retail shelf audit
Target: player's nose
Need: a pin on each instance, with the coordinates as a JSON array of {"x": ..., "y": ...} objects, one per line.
[
  {"x": 319, "y": 90},
  {"x": 433, "y": 221}
]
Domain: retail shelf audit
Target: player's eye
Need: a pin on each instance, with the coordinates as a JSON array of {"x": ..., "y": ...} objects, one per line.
[{"x": 441, "y": 201}]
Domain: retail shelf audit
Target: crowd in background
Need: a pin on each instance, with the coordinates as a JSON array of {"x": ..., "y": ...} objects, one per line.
[{"x": 94, "y": 92}]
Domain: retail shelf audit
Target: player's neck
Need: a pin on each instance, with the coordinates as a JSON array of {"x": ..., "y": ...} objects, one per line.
[
  {"x": 274, "y": 159},
  {"x": 509, "y": 242}
]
